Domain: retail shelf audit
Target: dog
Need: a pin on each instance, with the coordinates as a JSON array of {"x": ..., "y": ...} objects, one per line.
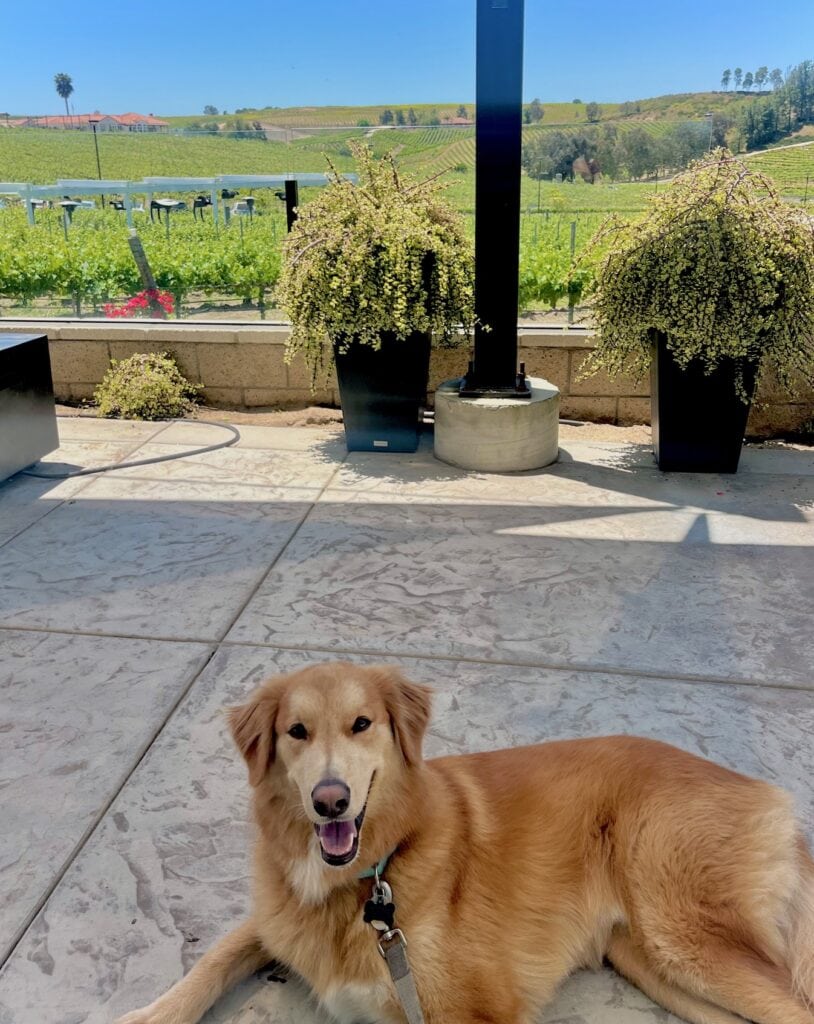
[{"x": 509, "y": 869}]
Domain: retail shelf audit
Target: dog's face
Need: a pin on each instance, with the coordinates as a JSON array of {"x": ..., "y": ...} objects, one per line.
[{"x": 329, "y": 737}]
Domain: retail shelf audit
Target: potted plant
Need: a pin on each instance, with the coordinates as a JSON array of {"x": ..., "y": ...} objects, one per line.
[
  {"x": 712, "y": 287},
  {"x": 377, "y": 268}
]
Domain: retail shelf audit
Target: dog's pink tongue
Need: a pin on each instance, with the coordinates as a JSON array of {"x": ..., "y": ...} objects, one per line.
[{"x": 337, "y": 837}]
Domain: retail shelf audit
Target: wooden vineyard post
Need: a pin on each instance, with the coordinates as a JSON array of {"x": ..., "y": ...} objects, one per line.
[{"x": 146, "y": 274}]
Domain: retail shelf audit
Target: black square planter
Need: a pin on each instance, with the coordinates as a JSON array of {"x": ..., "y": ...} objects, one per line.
[
  {"x": 28, "y": 422},
  {"x": 698, "y": 420},
  {"x": 383, "y": 391}
]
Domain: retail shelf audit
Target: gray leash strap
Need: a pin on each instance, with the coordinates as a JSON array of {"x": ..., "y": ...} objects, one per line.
[
  {"x": 379, "y": 912},
  {"x": 393, "y": 947}
]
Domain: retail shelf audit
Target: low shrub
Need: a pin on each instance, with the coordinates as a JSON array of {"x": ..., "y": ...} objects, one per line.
[{"x": 147, "y": 386}]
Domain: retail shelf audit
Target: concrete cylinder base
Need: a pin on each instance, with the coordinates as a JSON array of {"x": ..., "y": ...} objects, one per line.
[{"x": 497, "y": 435}]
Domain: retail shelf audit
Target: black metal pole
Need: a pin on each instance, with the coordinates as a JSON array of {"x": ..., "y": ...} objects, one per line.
[
  {"x": 498, "y": 144},
  {"x": 292, "y": 201}
]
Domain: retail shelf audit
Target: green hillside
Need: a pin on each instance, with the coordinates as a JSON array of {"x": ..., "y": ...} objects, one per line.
[
  {"x": 679, "y": 107},
  {"x": 42, "y": 156}
]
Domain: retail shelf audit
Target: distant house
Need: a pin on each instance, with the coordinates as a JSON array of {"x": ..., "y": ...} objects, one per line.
[
  {"x": 457, "y": 120},
  {"x": 104, "y": 122},
  {"x": 141, "y": 122}
]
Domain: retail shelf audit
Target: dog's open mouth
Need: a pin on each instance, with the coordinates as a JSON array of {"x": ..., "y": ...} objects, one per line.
[{"x": 339, "y": 840}]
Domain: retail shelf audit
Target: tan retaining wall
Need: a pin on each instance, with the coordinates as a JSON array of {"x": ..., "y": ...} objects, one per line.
[{"x": 243, "y": 365}]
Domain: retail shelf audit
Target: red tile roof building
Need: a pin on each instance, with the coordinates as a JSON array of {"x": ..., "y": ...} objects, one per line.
[{"x": 104, "y": 122}]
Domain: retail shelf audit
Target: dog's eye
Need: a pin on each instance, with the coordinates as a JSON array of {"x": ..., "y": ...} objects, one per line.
[
  {"x": 298, "y": 731},
  {"x": 361, "y": 724}
]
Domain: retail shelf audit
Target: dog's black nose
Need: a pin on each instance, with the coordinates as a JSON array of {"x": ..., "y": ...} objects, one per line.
[{"x": 331, "y": 798}]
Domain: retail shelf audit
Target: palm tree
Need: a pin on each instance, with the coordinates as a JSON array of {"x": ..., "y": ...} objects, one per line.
[{"x": 64, "y": 88}]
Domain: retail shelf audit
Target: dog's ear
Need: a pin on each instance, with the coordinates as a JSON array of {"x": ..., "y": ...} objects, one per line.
[
  {"x": 253, "y": 730},
  {"x": 409, "y": 706}
]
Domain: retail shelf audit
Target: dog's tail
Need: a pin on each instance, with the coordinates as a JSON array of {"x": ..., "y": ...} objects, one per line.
[{"x": 801, "y": 937}]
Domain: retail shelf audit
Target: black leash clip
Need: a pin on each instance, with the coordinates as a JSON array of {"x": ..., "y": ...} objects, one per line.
[{"x": 380, "y": 911}]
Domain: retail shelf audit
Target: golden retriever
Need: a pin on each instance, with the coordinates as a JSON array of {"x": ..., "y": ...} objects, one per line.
[{"x": 509, "y": 869}]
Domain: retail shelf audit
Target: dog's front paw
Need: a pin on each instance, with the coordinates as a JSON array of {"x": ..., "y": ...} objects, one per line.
[{"x": 153, "y": 1014}]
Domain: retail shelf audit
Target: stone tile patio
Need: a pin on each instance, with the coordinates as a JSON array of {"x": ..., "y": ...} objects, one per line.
[{"x": 596, "y": 596}]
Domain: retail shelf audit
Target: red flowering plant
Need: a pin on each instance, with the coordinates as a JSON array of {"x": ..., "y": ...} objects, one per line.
[{"x": 150, "y": 303}]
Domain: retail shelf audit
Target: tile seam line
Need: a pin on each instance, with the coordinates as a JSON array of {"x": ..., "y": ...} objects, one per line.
[
  {"x": 207, "y": 641},
  {"x": 213, "y": 646},
  {"x": 303, "y": 519},
  {"x": 608, "y": 670},
  {"x": 86, "y": 482},
  {"x": 100, "y": 815}
]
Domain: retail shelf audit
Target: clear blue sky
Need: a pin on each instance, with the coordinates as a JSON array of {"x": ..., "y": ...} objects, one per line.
[{"x": 176, "y": 56}]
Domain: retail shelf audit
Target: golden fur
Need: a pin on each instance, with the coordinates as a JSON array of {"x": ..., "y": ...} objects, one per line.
[{"x": 511, "y": 869}]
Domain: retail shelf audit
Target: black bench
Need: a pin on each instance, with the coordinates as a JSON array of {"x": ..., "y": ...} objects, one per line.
[{"x": 28, "y": 422}]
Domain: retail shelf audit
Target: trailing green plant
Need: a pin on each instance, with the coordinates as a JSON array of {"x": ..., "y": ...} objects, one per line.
[
  {"x": 720, "y": 266},
  {"x": 385, "y": 255},
  {"x": 147, "y": 386}
]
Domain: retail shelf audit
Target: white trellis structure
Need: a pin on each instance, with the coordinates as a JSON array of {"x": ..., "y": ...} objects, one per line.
[{"x": 147, "y": 187}]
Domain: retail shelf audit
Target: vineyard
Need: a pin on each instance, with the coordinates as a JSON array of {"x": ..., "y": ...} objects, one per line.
[
  {"x": 41, "y": 156},
  {"x": 792, "y": 167},
  {"x": 92, "y": 265},
  {"x": 224, "y": 270},
  {"x": 232, "y": 270}
]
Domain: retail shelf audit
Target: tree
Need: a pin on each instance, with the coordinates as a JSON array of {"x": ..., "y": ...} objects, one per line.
[
  {"x": 639, "y": 153},
  {"x": 593, "y": 112},
  {"x": 386, "y": 116},
  {"x": 738, "y": 77},
  {"x": 400, "y": 118},
  {"x": 462, "y": 112},
  {"x": 211, "y": 111},
  {"x": 720, "y": 126},
  {"x": 761, "y": 75},
  {"x": 776, "y": 78},
  {"x": 535, "y": 111},
  {"x": 800, "y": 91},
  {"x": 412, "y": 117},
  {"x": 554, "y": 152},
  {"x": 64, "y": 86},
  {"x": 748, "y": 80},
  {"x": 608, "y": 151},
  {"x": 726, "y": 78}
]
